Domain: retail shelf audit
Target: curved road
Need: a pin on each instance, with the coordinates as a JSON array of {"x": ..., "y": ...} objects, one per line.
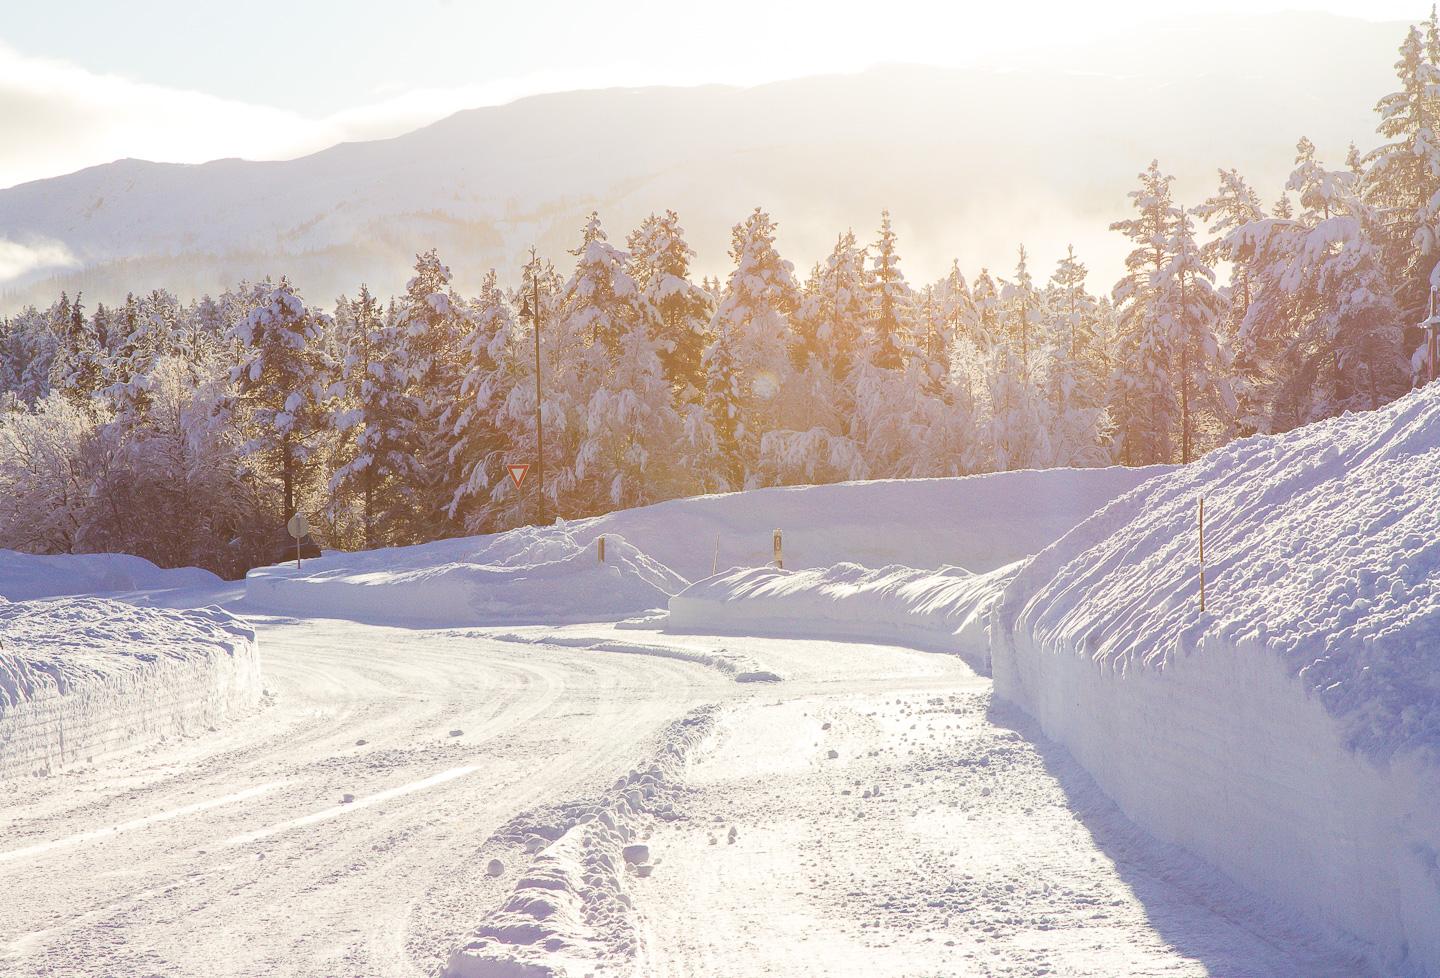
[{"x": 233, "y": 855}]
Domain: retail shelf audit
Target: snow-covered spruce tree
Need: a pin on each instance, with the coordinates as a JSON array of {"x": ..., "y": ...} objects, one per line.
[
  {"x": 892, "y": 304},
  {"x": 1143, "y": 403},
  {"x": 1402, "y": 183},
  {"x": 78, "y": 369},
  {"x": 836, "y": 302},
  {"x": 958, "y": 311},
  {"x": 432, "y": 327},
  {"x": 1074, "y": 369},
  {"x": 1023, "y": 312},
  {"x": 746, "y": 364},
  {"x": 1322, "y": 333},
  {"x": 660, "y": 265},
  {"x": 1233, "y": 206},
  {"x": 1019, "y": 418},
  {"x": 478, "y": 455},
  {"x": 1187, "y": 310},
  {"x": 280, "y": 391},
  {"x": 989, "y": 326},
  {"x": 373, "y": 415}
]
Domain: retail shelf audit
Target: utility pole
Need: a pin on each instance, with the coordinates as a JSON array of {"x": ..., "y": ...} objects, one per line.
[{"x": 532, "y": 309}]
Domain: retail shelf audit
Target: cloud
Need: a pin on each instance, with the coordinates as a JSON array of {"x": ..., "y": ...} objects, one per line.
[
  {"x": 60, "y": 118},
  {"x": 18, "y": 259}
]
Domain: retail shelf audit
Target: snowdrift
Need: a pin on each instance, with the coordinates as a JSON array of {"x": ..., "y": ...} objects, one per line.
[
  {"x": 82, "y": 679},
  {"x": 552, "y": 575},
  {"x": 26, "y": 576},
  {"x": 945, "y": 610},
  {"x": 1289, "y": 733},
  {"x": 527, "y": 575}
]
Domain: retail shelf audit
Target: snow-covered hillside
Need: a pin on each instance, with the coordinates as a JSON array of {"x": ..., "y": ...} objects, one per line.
[
  {"x": 1290, "y": 733},
  {"x": 485, "y": 183},
  {"x": 82, "y": 679},
  {"x": 25, "y": 576},
  {"x": 978, "y": 523}
]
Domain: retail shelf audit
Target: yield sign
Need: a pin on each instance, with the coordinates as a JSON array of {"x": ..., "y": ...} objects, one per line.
[{"x": 517, "y": 473}]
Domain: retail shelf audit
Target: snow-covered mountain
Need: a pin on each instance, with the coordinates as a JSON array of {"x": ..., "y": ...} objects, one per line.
[{"x": 970, "y": 161}]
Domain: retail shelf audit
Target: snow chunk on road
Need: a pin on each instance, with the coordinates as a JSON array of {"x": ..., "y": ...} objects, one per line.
[
  {"x": 85, "y": 678},
  {"x": 945, "y": 610},
  {"x": 526, "y": 575},
  {"x": 1290, "y": 733},
  {"x": 26, "y": 576}
]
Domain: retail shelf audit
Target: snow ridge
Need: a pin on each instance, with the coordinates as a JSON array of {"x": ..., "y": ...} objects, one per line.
[
  {"x": 568, "y": 914},
  {"x": 86, "y": 678}
]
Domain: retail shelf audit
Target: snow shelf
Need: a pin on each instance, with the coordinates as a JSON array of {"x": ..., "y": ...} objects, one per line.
[
  {"x": 1290, "y": 733},
  {"x": 26, "y": 576},
  {"x": 945, "y": 610},
  {"x": 552, "y": 575},
  {"x": 82, "y": 679}
]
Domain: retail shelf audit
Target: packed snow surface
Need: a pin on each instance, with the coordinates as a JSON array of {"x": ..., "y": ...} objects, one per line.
[
  {"x": 24, "y": 576},
  {"x": 83, "y": 678},
  {"x": 1289, "y": 732},
  {"x": 553, "y": 574}
]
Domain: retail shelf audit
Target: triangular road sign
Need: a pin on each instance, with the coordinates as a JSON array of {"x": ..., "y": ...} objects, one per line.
[{"x": 517, "y": 473}]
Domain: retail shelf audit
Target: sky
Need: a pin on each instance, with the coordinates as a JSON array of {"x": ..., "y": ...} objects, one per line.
[{"x": 84, "y": 82}]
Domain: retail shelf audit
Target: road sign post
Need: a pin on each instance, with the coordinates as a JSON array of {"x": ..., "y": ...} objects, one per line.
[{"x": 299, "y": 528}]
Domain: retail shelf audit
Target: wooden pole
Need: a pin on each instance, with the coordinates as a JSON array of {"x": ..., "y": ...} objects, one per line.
[
  {"x": 715, "y": 561},
  {"x": 602, "y": 550},
  {"x": 779, "y": 554},
  {"x": 1202, "y": 555}
]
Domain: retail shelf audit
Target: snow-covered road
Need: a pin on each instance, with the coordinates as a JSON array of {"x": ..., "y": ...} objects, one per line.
[
  {"x": 232, "y": 854},
  {"x": 984, "y": 852}
]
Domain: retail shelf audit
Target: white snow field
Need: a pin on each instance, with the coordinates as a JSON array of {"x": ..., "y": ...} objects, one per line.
[
  {"x": 84, "y": 679},
  {"x": 1289, "y": 733},
  {"x": 534, "y": 576},
  {"x": 468, "y": 766},
  {"x": 25, "y": 576}
]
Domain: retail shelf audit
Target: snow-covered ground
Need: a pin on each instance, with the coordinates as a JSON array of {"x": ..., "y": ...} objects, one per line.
[
  {"x": 25, "y": 576},
  {"x": 1290, "y": 733},
  {"x": 83, "y": 679},
  {"x": 542, "y": 789},
  {"x": 978, "y": 523}
]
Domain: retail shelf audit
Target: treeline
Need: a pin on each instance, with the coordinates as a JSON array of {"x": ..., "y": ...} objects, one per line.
[{"x": 187, "y": 432}]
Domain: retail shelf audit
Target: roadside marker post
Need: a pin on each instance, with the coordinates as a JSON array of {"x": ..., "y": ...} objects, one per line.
[
  {"x": 601, "y": 549},
  {"x": 779, "y": 554}
]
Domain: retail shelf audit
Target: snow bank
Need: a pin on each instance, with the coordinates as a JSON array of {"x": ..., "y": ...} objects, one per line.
[
  {"x": 978, "y": 522},
  {"x": 1291, "y": 733},
  {"x": 525, "y": 575},
  {"x": 26, "y": 576},
  {"x": 945, "y": 610},
  {"x": 82, "y": 679},
  {"x": 569, "y": 914},
  {"x": 552, "y": 575}
]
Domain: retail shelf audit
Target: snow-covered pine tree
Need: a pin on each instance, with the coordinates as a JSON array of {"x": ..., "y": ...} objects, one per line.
[
  {"x": 1187, "y": 310},
  {"x": 432, "y": 326},
  {"x": 78, "y": 369},
  {"x": 746, "y": 364},
  {"x": 1023, "y": 313},
  {"x": 478, "y": 455},
  {"x": 280, "y": 390},
  {"x": 1402, "y": 183},
  {"x": 1143, "y": 391},
  {"x": 373, "y": 416},
  {"x": 891, "y": 323},
  {"x": 660, "y": 265}
]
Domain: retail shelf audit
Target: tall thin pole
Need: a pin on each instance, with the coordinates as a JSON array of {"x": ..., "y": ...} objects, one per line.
[{"x": 539, "y": 422}]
